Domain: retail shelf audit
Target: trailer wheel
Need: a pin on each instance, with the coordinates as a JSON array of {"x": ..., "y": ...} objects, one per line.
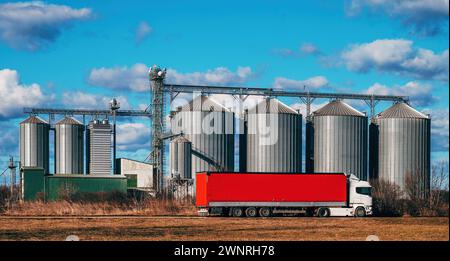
[
  {"x": 265, "y": 212},
  {"x": 251, "y": 212},
  {"x": 323, "y": 212},
  {"x": 309, "y": 212},
  {"x": 360, "y": 212},
  {"x": 236, "y": 212}
]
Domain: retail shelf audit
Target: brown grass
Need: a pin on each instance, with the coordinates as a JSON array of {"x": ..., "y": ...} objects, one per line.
[
  {"x": 65, "y": 208},
  {"x": 217, "y": 228}
]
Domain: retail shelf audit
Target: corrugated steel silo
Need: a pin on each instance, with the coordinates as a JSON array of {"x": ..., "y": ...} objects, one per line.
[
  {"x": 404, "y": 145},
  {"x": 274, "y": 138},
  {"x": 34, "y": 143},
  {"x": 98, "y": 153},
  {"x": 69, "y": 146},
  {"x": 309, "y": 145},
  {"x": 180, "y": 158},
  {"x": 210, "y": 128},
  {"x": 374, "y": 138},
  {"x": 340, "y": 139},
  {"x": 242, "y": 143}
]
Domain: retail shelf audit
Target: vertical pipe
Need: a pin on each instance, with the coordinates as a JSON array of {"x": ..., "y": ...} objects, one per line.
[
  {"x": 85, "y": 146},
  {"x": 114, "y": 143}
]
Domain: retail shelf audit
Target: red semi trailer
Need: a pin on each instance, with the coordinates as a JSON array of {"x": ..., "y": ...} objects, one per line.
[{"x": 265, "y": 194}]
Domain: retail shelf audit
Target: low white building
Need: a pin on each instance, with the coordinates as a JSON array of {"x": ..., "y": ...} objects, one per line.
[{"x": 140, "y": 174}]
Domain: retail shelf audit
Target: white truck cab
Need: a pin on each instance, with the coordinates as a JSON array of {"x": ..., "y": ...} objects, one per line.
[{"x": 359, "y": 202}]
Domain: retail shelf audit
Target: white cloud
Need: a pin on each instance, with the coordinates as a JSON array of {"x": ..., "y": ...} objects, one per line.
[
  {"x": 133, "y": 136},
  {"x": 303, "y": 50},
  {"x": 82, "y": 100},
  {"x": 424, "y": 17},
  {"x": 33, "y": 25},
  {"x": 419, "y": 94},
  {"x": 439, "y": 129},
  {"x": 302, "y": 107},
  {"x": 218, "y": 76},
  {"x": 142, "y": 31},
  {"x": 309, "y": 48},
  {"x": 312, "y": 84},
  {"x": 135, "y": 78},
  {"x": 9, "y": 138},
  {"x": 15, "y": 95},
  {"x": 399, "y": 57},
  {"x": 285, "y": 52},
  {"x": 143, "y": 106}
]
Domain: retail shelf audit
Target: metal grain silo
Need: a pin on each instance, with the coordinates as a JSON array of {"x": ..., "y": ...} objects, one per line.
[
  {"x": 404, "y": 145},
  {"x": 69, "y": 146},
  {"x": 34, "y": 143},
  {"x": 340, "y": 139},
  {"x": 274, "y": 138},
  {"x": 180, "y": 158},
  {"x": 210, "y": 128}
]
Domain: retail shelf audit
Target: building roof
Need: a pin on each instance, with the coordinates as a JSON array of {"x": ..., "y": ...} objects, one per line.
[
  {"x": 180, "y": 139},
  {"x": 68, "y": 121},
  {"x": 203, "y": 103},
  {"x": 34, "y": 119},
  {"x": 271, "y": 106},
  {"x": 139, "y": 161},
  {"x": 401, "y": 110},
  {"x": 338, "y": 108}
]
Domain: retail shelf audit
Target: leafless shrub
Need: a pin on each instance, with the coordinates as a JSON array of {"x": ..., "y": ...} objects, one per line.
[
  {"x": 6, "y": 198},
  {"x": 438, "y": 196},
  {"x": 4, "y": 195},
  {"x": 428, "y": 199},
  {"x": 387, "y": 199},
  {"x": 416, "y": 193},
  {"x": 65, "y": 192}
]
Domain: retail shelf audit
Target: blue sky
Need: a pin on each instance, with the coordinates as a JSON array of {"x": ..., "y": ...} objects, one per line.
[{"x": 81, "y": 53}]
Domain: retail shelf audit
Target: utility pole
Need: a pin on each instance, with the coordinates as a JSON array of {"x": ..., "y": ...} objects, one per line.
[
  {"x": 12, "y": 169},
  {"x": 157, "y": 76}
]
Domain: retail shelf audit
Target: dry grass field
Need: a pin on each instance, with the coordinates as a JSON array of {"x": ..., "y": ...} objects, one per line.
[
  {"x": 219, "y": 228},
  {"x": 65, "y": 208}
]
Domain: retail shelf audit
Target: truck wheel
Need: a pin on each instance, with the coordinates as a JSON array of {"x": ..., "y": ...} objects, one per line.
[
  {"x": 323, "y": 212},
  {"x": 250, "y": 212},
  {"x": 236, "y": 212},
  {"x": 265, "y": 212},
  {"x": 309, "y": 212},
  {"x": 360, "y": 212}
]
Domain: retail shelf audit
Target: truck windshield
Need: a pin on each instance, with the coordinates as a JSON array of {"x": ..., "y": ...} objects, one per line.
[{"x": 364, "y": 190}]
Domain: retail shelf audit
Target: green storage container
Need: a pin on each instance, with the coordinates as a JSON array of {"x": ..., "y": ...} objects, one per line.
[
  {"x": 56, "y": 186},
  {"x": 33, "y": 183}
]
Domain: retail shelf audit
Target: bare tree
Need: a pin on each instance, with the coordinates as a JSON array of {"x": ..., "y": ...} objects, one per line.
[
  {"x": 438, "y": 198},
  {"x": 414, "y": 188},
  {"x": 427, "y": 197},
  {"x": 414, "y": 193},
  {"x": 387, "y": 198}
]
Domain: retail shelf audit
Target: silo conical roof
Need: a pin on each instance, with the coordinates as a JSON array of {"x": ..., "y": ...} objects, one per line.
[
  {"x": 338, "y": 108},
  {"x": 203, "y": 103},
  {"x": 401, "y": 110},
  {"x": 69, "y": 121},
  {"x": 181, "y": 139},
  {"x": 34, "y": 119},
  {"x": 271, "y": 106}
]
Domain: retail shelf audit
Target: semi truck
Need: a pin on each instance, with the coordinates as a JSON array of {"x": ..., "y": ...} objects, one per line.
[{"x": 268, "y": 194}]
